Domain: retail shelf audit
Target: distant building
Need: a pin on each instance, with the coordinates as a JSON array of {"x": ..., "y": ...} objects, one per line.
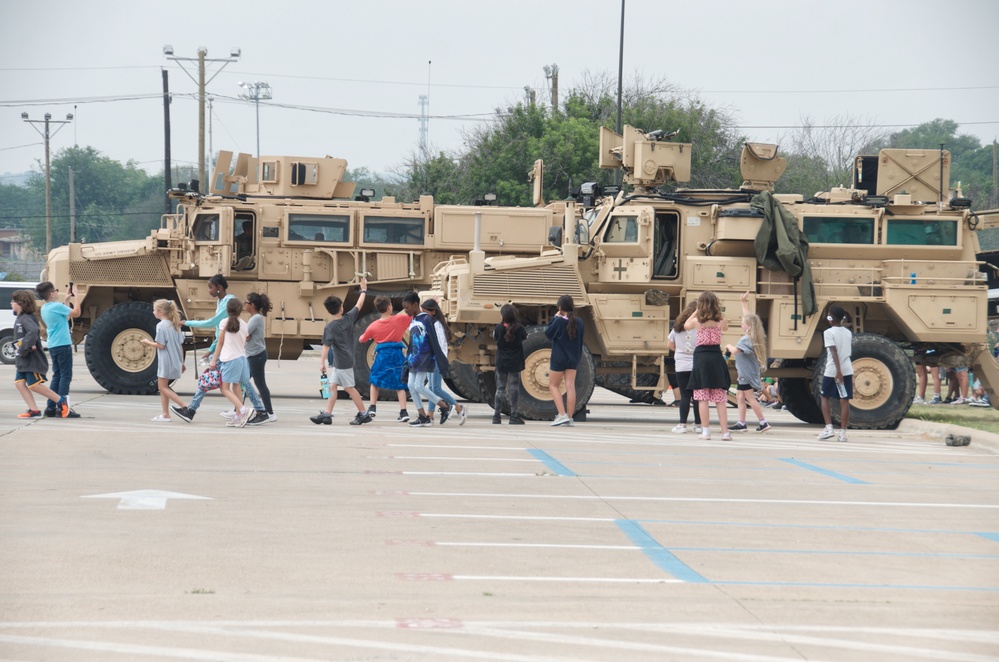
[{"x": 16, "y": 246}]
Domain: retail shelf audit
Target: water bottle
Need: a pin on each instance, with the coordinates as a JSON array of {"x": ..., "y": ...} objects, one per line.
[
  {"x": 912, "y": 278},
  {"x": 841, "y": 389},
  {"x": 324, "y": 386}
]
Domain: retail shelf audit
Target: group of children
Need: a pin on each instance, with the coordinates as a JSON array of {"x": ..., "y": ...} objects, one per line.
[
  {"x": 239, "y": 354},
  {"x": 703, "y": 375}
]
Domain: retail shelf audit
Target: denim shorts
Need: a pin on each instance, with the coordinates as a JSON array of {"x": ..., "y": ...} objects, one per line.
[{"x": 235, "y": 371}]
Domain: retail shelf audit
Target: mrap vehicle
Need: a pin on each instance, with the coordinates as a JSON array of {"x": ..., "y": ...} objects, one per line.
[
  {"x": 897, "y": 250},
  {"x": 289, "y": 227}
]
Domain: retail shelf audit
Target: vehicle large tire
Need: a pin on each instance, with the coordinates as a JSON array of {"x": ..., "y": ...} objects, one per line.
[
  {"x": 884, "y": 384},
  {"x": 8, "y": 348},
  {"x": 364, "y": 357},
  {"x": 796, "y": 394},
  {"x": 620, "y": 383},
  {"x": 535, "y": 399},
  {"x": 463, "y": 380},
  {"x": 116, "y": 358}
]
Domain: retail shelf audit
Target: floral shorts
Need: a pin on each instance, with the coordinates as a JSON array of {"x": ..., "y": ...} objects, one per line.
[{"x": 711, "y": 394}]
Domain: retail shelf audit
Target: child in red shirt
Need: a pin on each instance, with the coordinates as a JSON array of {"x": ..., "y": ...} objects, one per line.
[{"x": 386, "y": 371}]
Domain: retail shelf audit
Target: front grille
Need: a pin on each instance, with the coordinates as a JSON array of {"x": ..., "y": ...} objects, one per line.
[
  {"x": 538, "y": 283},
  {"x": 139, "y": 270}
]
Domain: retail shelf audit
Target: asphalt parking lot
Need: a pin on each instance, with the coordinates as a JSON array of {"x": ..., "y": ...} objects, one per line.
[{"x": 124, "y": 539}]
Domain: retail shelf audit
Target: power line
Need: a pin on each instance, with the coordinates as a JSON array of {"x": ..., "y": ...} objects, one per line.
[
  {"x": 849, "y": 126},
  {"x": 855, "y": 90}
]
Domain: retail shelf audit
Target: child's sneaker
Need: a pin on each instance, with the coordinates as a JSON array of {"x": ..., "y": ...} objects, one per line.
[
  {"x": 959, "y": 401},
  {"x": 561, "y": 419},
  {"x": 516, "y": 420},
  {"x": 245, "y": 417},
  {"x": 322, "y": 418},
  {"x": 763, "y": 427},
  {"x": 738, "y": 426},
  {"x": 50, "y": 412},
  {"x": 462, "y": 415},
  {"x": 183, "y": 413},
  {"x": 31, "y": 413},
  {"x": 705, "y": 435},
  {"x": 445, "y": 414},
  {"x": 918, "y": 401},
  {"x": 727, "y": 436},
  {"x": 936, "y": 400},
  {"x": 72, "y": 414},
  {"x": 361, "y": 418},
  {"x": 63, "y": 407},
  {"x": 228, "y": 415},
  {"x": 160, "y": 419},
  {"x": 371, "y": 411},
  {"x": 680, "y": 428},
  {"x": 497, "y": 420},
  {"x": 259, "y": 419},
  {"x": 403, "y": 416},
  {"x": 421, "y": 421},
  {"x": 271, "y": 416},
  {"x": 827, "y": 433},
  {"x": 842, "y": 435}
]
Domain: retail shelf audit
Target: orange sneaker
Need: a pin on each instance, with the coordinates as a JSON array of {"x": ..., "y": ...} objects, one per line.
[{"x": 31, "y": 413}]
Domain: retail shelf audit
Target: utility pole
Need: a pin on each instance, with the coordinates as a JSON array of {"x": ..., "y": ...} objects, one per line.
[
  {"x": 254, "y": 92},
  {"x": 47, "y": 134},
  {"x": 167, "y": 181},
  {"x": 424, "y": 121},
  {"x": 202, "y": 83},
  {"x": 620, "y": 86},
  {"x": 72, "y": 207},
  {"x": 995, "y": 174}
]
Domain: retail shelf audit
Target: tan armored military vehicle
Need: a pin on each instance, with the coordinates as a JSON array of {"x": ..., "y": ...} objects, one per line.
[
  {"x": 897, "y": 251},
  {"x": 293, "y": 232}
]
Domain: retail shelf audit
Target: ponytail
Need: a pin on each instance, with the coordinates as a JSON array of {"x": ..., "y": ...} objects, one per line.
[
  {"x": 234, "y": 308},
  {"x": 511, "y": 320},
  {"x": 566, "y": 305}
]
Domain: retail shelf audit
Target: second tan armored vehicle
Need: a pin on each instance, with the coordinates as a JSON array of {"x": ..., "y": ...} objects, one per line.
[{"x": 897, "y": 251}]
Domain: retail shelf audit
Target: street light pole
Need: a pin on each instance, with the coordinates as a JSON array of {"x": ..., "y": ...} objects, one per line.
[
  {"x": 254, "y": 92},
  {"x": 47, "y": 134},
  {"x": 200, "y": 81}
]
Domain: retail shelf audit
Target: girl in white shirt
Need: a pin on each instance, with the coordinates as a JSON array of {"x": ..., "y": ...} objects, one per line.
[{"x": 230, "y": 354}]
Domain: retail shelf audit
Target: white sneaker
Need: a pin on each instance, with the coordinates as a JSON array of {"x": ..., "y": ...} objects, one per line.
[
  {"x": 698, "y": 429},
  {"x": 272, "y": 417},
  {"x": 918, "y": 401},
  {"x": 680, "y": 429},
  {"x": 827, "y": 433},
  {"x": 727, "y": 436},
  {"x": 228, "y": 415},
  {"x": 842, "y": 435},
  {"x": 960, "y": 401},
  {"x": 705, "y": 435},
  {"x": 561, "y": 419},
  {"x": 160, "y": 419}
]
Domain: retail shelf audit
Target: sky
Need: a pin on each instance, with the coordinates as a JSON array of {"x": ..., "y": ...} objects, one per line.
[{"x": 353, "y": 72}]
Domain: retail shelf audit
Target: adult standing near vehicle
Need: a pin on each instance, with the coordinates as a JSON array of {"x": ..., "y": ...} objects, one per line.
[
  {"x": 566, "y": 333},
  {"x": 56, "y": 315}
]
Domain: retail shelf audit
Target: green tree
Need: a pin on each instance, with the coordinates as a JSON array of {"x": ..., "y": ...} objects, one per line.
[{"x": 113, "y": 201}]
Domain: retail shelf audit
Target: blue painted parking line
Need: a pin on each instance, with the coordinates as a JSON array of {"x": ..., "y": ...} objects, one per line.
[
  {"x": 554, "y": 465},
  {"x": 659, "y": 555},
  {"x": 994, "y": 537},
  {"x": 824, "y": 472}
]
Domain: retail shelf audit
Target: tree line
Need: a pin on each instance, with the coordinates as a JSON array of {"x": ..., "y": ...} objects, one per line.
[{"x": 116, "y": 201}]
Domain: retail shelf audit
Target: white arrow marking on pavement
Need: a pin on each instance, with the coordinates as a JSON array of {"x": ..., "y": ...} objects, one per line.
[{"x": 144, "y": 499}]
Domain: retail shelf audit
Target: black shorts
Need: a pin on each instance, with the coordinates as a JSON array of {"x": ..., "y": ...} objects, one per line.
[
  {"x": 829, "y": 389},
  {"x": 744, "y": 387}
]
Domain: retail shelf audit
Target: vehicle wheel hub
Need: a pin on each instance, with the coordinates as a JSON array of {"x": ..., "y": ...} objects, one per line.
[
  {"x": 873, "y": 383},
  {"x": 129, "y": 353},
  {"x": 536, "y": 369}
]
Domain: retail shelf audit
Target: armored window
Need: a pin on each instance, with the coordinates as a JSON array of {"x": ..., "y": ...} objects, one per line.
[
  {"x": 319, "y": 227},
  {"x": 919, "y": 232},
  {"x": 269, "y": 172},
  {"x": 839, "y": 229},
  {"x": 304, "y": 173},
  {"x": 206, "y": 227},
  {"x": 622, "y": 229},
  {"x": 393, "y": 230}
]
